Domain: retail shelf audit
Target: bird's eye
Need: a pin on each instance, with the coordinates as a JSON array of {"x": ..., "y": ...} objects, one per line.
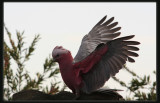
[{"x": 57, "y": 55}]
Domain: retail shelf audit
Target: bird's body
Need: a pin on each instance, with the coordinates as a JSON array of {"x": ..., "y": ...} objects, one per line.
[
  {"x": 99, "y": 57},
  {"x": 68, "y": 73},
  {"x": 67, "y": 70}
]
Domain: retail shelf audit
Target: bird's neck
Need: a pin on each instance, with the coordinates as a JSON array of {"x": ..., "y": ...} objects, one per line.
[{"x": 66, "y": 61}]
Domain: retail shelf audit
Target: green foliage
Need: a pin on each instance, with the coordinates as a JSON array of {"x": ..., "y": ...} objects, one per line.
[
  {"x": 138, "y": 85},
  {"x": 21, "y": 80}
]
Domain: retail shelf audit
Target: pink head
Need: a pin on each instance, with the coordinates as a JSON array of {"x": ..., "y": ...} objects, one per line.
[{"x": 58, "y": 53}]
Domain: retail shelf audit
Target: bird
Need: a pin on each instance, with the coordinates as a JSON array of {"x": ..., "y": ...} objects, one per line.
[{"x": 102, "y": 53}]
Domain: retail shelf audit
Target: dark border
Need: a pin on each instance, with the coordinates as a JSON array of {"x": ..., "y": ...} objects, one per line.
[{"x": 102, "y": 101}]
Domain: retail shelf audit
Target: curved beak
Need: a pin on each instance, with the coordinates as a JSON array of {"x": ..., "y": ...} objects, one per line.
[{"x": 54, "y": 60}]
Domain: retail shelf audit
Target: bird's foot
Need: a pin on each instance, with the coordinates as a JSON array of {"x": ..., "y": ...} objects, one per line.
[{"x": 76, "y": 98}]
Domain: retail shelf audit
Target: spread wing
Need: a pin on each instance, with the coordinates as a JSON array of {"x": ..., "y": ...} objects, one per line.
[
  {"x": 102, "y": 32},
  {"x": 119, "y": 51}
]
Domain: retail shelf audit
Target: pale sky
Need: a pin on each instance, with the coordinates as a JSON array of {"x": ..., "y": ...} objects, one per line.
[{"x": 65, "y": 24}]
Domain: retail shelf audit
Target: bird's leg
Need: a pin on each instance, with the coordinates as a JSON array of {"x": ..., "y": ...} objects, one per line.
[{"x": 77, "y": 95}]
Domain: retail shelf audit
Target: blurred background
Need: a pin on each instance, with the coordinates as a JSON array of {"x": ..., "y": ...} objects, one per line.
[{"x": 46, "y": 25}]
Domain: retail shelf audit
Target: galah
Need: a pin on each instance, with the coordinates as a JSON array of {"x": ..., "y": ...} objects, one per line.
[{"x": 101, "y": 55}]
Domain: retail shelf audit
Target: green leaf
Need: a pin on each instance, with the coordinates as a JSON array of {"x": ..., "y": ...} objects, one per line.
[{"x": 148, "y": 78}]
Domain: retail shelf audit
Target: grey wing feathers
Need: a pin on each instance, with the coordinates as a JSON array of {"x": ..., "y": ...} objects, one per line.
[
  {"x": 119, "y": 51},
  {"x": 110, "y": 92},
  {"x": 102, "y": 32}
]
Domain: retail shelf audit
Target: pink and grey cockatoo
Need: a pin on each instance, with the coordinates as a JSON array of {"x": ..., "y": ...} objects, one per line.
[{"x": 99, "y": 57}]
